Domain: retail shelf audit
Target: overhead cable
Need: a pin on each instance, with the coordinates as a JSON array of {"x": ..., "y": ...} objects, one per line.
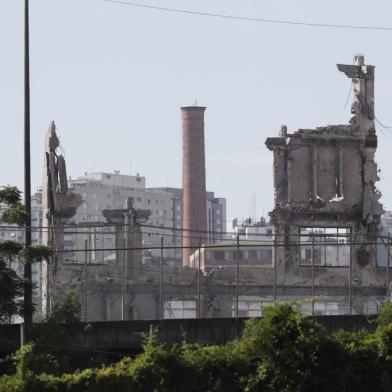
[{"x": 251, "y": 19}]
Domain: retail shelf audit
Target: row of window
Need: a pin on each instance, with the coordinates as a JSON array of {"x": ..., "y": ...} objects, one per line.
[
  {"x": 230, "y": 256},
  {"x": 177, "y": 309},
  {"x": 324, "y": 246}
]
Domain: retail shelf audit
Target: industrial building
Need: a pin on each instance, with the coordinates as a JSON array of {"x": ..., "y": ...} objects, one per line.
[{"x": 327, "y": 244}]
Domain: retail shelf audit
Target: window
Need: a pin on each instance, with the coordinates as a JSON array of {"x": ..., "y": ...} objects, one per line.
[
  {"x": 235, "y": 255},
  {"x": 260, "y": 257},
  {"x": 174, "y": 309},
  {"x": 228, "y": 257},
  {"x": 247, "y": 308},
  {"x": 209, "y": 255},
  {"x": 219, "y": 255},
  {"x": 264, "y": 254},
  {"x": 324, "y": 246},
  {"x": 326, "y": 308},
  {"x": 370, "y": 307}
]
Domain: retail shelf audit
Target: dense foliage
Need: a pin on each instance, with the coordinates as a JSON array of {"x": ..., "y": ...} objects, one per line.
[
  {"x": 284, "y": 352},
  {"x": 11, "y": 285}
]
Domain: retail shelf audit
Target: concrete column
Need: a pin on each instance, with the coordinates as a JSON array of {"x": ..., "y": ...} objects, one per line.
[{"x": 314, "y": 169}]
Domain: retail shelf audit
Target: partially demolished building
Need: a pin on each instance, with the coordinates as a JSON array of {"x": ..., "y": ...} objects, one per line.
[
  {"x": 59, "y": 205},
  {"x": 327, "y": 210},
  {"x": 326, "y": 235}
]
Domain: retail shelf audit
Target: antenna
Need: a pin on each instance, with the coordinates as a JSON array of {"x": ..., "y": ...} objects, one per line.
[
  {"x": 252, "y": 208},
  {"x": 92, "y": 169}
]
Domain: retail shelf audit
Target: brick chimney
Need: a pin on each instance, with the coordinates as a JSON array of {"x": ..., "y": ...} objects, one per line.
[{"x": 194, "y": 181}]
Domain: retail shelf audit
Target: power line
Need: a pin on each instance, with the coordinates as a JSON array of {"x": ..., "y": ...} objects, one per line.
[
  {"x": 218, "y": 246},
  {"x": 173, "y": 229},
  {"x": 90, "y": 230},
  {"x": 251, "y": 19}
]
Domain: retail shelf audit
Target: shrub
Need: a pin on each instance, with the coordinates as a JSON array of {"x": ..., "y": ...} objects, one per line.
[
  {"x": 286, "y": 347},
  {"x": 283, "y": 352}
]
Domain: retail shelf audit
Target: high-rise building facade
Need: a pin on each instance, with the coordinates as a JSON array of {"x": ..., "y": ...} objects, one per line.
[{"x": 101, "y": 191}]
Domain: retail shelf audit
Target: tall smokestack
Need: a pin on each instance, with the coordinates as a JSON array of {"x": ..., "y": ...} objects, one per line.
[{"x": 193, "y": 181}]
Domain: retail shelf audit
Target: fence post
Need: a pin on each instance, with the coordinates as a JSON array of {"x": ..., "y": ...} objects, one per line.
[
  {"x": 312, "y": 273},
  {"x": 237, "y": 276},
  {"x": 161, "y": 315},
  {"x": 85, "y": 280},
  {"x": 274, "y": 249},
  {"x": 22, "y": 335},
  {"x": 388, "y": 265},
  {"x": 350, "y": 274},
  {"x": 124, "y": 288},
  {"x": 198, "y": 280}
]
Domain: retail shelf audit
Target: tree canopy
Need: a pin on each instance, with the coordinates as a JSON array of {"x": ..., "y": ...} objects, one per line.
[{"x": 12, "y": 285}]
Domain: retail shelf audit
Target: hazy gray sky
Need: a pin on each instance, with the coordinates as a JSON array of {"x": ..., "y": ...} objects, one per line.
[{"x": 114, "y": 78}]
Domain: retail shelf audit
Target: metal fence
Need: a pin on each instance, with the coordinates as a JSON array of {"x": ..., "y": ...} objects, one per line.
[{"x": 234, "y": 277}]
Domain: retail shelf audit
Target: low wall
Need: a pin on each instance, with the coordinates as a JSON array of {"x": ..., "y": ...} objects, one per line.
[{"x": 127, "y": 336}]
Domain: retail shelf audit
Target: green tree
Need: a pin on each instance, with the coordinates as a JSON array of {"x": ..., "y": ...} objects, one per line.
[
  {"x": 286, "y": 348},
  {"x": 11, "y": 285},
  {"x": 66, "y": 309}
]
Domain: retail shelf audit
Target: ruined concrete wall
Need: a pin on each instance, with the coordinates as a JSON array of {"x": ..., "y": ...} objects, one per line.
[
  {"x": 217, "y": 292},
  {"x": 352, "y": 175},
  {"x": 326, "y": 177},
  {"x": 58, "y": 206},
  {"x": 323, "y": 177},
  {"x": 299, "y": 180}
]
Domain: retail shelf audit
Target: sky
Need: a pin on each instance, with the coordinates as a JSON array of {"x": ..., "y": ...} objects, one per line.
[{"x": 114, "y": 77}]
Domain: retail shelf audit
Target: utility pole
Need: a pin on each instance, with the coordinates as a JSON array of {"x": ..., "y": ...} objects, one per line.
[{"x": 28, "y": 294}]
